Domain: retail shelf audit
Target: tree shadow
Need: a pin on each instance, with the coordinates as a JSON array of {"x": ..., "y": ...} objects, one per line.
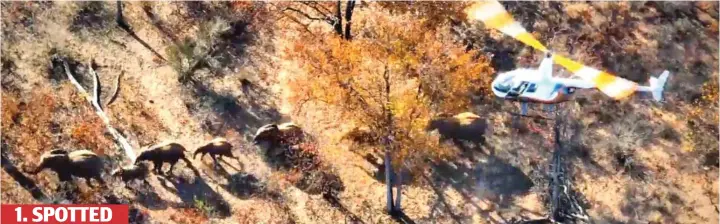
[
  {"x": 639, "y": 204},
  {"x": 401, "y": 217},
  {"x": 92, "y": 16},
  {"x": 137, "y": 216},
  {"x": 11, "y": 80},
  {"x": 227, "y": 110},
  {"x": 438, "y": 188},
  {"x": 199, "y": 10},
  {"x": 27, "y": 183},
  {"x": 524, "y": 12},
  {"x": 228, "y": 50},
  {"x": 352, "y": 217},
  {"x": 577, "y": 150},
  {"x": 379, "y": 173},
  {"x": 120, "y": 20},
  {"x": 199, "y": 192},
  {"x": 158, "y": 23},
  {"x": 502, "y": 52},
  {"x": 243, "y": 112}
]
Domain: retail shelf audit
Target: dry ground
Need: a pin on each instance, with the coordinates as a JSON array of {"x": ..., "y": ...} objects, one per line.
[{"x": 673, "y": 147}]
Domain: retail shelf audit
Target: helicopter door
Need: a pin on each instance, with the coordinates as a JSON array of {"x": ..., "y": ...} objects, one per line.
[{"x": 523, "y": 87}]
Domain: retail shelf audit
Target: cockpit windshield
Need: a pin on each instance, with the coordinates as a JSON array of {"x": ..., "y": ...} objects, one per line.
[
  {"x": 504, "y": 84},
  {"x": 502, "y": 87}
]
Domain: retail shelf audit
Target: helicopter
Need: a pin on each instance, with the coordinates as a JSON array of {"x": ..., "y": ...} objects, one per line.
[
  {"x": 539, "y": 86},
  {"x": 526, "y": 85}
]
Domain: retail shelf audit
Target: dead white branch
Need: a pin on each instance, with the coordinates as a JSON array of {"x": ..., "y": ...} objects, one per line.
[
  {"x": 96, "y": 85},
  {"x": 117, "y": 90},
  {"x": 129, "y": 152}
]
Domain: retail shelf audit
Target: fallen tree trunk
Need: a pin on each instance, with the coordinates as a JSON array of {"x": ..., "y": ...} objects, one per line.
[
  {"x": 564, "y": 204},
  {"x": 129, "y": 152}
]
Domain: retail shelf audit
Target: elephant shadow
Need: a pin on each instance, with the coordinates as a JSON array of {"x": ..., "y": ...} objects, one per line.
[
  {"x": 146, "y": 196},
  {"x": 492, "y": 179},
  {"x": 244, "y": 185},
  {"x": 199, "y": 193}
]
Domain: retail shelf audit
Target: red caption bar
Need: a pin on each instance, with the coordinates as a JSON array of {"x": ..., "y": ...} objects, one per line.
[{"x": 112, "y": 214}]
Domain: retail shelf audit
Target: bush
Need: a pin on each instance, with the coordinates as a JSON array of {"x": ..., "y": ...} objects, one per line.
[{"x": 189, "y": 215}]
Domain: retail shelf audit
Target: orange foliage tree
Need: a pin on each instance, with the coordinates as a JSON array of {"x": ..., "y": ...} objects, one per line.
[
  {"x": 436, "y": 13},
  {"x": 390, "y": 80}
]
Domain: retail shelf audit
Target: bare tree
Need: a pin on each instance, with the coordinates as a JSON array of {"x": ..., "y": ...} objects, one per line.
[
  {"x": 95, "y": 102},
  {"x": 318, "y": 11}
]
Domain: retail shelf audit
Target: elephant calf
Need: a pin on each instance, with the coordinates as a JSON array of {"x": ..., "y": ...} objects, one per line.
[
  {"x": 132, "y": 172},
  {"x": 167, "y": 152},
  {"x": 80, "y": 163},
  {"x": 217, "y": 147},
  {"x": 464, "y": 126}
]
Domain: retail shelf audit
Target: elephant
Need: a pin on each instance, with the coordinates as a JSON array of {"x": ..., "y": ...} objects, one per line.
[
  {"x": 360, "y": 135},
  {"x": 132, "y": 172},
  {"x": 217, "y": 146},
  {"x": 282, "y": 134},
  {"x": 464, "y": 126},
  {"x": 80, "y": 163},
  {"x": 170, "y": 152}
]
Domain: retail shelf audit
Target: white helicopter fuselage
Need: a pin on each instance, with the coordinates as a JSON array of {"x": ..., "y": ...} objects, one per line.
[{"x": 537, "y": 85}]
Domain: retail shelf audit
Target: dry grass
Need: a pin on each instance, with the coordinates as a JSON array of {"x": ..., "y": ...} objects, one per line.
[
  {"x": 189, "y": 216},
  {"x": 28, "y": 122},
  {"x": 131, "y": 115},
  {"x": 263, "y": 212},
  {"x": 86, "y": 136}
]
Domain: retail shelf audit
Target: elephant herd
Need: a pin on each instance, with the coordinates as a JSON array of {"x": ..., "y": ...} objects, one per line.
[{"x": 87, "y": 165}]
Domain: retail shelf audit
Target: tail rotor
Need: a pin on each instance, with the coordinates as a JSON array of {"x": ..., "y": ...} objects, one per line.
[{"x": 657, "y": 85}]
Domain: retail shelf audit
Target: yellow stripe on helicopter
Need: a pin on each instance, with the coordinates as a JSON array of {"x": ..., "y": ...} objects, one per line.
[{"x": 494, "y": 16}]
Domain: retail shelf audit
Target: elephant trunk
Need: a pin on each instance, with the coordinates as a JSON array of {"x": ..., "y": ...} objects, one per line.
[{"x": 36, "y": 170}]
